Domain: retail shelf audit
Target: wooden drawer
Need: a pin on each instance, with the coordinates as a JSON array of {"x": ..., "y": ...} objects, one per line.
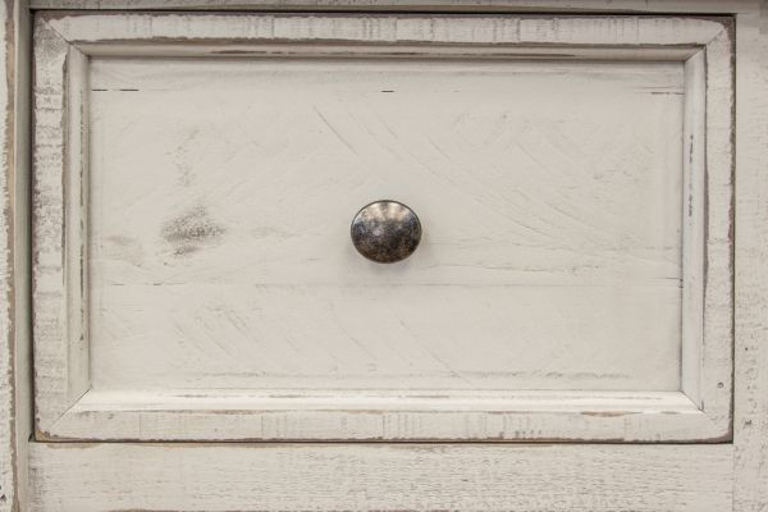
[{"x": 194, "y": 182}]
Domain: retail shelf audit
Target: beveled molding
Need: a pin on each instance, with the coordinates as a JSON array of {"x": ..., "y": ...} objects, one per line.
[{"x": 68, "y": 409}]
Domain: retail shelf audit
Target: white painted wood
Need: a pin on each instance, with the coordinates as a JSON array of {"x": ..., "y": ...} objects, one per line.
[
  {"x": 632, "y": 31},
  {"x": 22, "y": 323},
  {"x": 107, "y": 487},
  {"x": 751, "y": 351},
  {"x": 520, "y": 283},
  {"x": 61, "y": 356},
  {"x": 340, "y": 416},
  {"x": 15, "y": 359},
  {"x": 708, "y": 237},
  {"x": 474, "y": 6},
  {"x": 717, "y": 345},
  {"x": 151, "y": 278},
  {"x": 304, "y": 50},
  {"x": 694, "y": 211},
  {"x": 380, "y": 477},
  {"x": 8, "y": 452}
]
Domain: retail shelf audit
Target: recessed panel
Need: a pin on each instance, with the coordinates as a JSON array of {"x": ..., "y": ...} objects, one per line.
[{"x": 222, "y": 191}]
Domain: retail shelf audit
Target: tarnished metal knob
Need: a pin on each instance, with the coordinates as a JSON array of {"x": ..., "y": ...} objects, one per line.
[{"x": 386, "y": 231}]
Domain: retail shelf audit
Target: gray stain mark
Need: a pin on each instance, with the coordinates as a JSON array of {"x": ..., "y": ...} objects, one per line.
[
  {"x": 124, "y": 248},
  {"x": 191, "y": 231}
]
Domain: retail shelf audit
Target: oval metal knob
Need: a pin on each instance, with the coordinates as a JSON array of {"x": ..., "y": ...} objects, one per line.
[{"x": 386, "y": 231}]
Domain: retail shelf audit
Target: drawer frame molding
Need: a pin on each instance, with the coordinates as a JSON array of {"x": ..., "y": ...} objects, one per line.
[
  {"x": 38, "y": 476},
  {"x": 66, "y": 408}
]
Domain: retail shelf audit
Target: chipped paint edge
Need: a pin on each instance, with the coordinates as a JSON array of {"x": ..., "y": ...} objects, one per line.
[{"x": 15, "y": 389}]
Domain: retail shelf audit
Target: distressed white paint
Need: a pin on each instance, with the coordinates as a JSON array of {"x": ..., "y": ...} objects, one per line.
[
  {"x": 15, "y": 392},
  {"x": 339, "y": 416},
  {"x": 207, "y": 262},
  {"x": 473, "y": 6},
  {"x": 751, "y": 351},
  {"x": 663, "y": 488},
  {"x": 61, "y": 367},
  {"x": 8, "y": 453},
  {"x": 549, "y": 192},
  {"x": 631, "y": 31},
  {"x": 717, "y": 343},
  {"x": 7, "y": 399},
  {"x": 381, "y": 477}
]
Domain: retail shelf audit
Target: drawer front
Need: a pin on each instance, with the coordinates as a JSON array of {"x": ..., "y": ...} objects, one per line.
[{"x": 195, "y": 278}]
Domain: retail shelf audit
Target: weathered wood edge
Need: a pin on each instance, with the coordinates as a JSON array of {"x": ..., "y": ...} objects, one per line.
[
  {"x": 716, "y": 383},
  {"x": 474, "y": 6},
  {"x": 8, "y": 448},
  {"x": 751, "y": 279},
  {"x": 15, "y": 398},
  {"x": 708, "y": 230},
  {"x": 218, "y": 477},
  {"x": 60, "y": 350},
  {"x": 142, "y": 416},
  {"x": 694, "y": 173},
  {"x": 541, "y": 30}
]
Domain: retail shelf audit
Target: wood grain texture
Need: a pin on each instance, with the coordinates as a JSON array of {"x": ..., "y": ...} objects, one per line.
[
  {"x": 626, "y": 31},
  {"x": 751, "y": 351},
  {"x": 716, "y": 388},
  {"x": 193, "y": 262},
  {"x": 112, "y": 477},
  {"x": 15, "y": 395},
  {"x": 694, "y": 225},
  {"x": 694, "y": 484},
  {"x": 474, "y": 6},
  {"x": 220, "y": 254},
  {"x": 61, "y": 364},
  {"x": 8, "y": 447},
  {"x": 340, "y": 416}
]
